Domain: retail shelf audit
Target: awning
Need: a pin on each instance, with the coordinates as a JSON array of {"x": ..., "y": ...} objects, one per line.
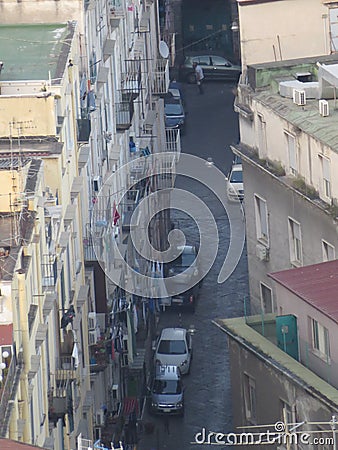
[{"x": 130, "y": 405}]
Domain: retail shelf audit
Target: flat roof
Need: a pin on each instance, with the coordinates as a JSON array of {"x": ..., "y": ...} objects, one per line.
[
  {"x": 306, "y": 118},
  {"x": 316, "y": 284},
  {"x": 34, "y": 52},
  {"x": 247, "y": 337}
]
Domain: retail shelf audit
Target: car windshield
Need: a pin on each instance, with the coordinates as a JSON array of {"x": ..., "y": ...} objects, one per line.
[
  {"x": 167, "y": 387},
  {"x": 236, "y": 176},
  {"x": 173, "y": 109},
  {"x": 183, "y": 262},
  {"x": 167, "y": 347}
]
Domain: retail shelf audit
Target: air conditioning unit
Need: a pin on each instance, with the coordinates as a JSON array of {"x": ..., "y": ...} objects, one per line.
[
  {"x": 100, "y": 418},
  {"x": 262, "y": 252},
  {"x": 92, "y": 337},
  {"x": 91, "y": 321},
  {"x": 299, "y": 97},
  {"x": 324, "y": 108}
]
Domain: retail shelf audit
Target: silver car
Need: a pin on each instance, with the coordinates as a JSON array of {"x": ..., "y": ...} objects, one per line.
[
  {"x": 215, "y": 67},
  {"x": 167, "y": 393},
  {"x": 174, "y": 348}
]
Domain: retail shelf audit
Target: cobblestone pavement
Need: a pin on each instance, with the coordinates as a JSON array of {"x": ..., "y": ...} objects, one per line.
[{"x": 211, "y": 127}]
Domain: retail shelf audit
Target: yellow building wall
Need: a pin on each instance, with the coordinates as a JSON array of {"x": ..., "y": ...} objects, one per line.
[{"x": 27, "y": 116}]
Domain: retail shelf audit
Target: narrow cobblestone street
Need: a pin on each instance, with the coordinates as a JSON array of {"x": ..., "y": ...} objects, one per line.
[{"x": 211, "y": 128}]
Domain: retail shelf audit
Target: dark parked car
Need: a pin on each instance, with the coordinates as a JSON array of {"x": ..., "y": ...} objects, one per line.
[
  {"x": 214, "y": 68},
  {"x": 186, "y": 262},
  {"x": 174, "y": 113}
]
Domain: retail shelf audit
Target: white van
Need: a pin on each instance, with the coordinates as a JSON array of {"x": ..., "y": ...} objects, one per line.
[{"x": 174, "y": 348}]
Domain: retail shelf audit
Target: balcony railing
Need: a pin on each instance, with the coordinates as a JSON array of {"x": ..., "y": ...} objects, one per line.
[
  {"x": 49, "y": 270},
  {"x": 161, "y": 80},
  {"x": 8, "y": 386},
  {"x": 99, "y": 355},
  {"x": 173, "y": 141},
  {"x": 124, "y": 111},
  {"x": 117, "y": 8},
  {"x": 132, "y": 78},
  {"x": 166, "y": 179}
]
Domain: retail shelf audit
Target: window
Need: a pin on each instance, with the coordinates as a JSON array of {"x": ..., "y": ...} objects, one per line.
[
  {"x": 261, "y": 213},
  {"x": 285, "y": 413},
  {"x": 291, "y": 145},
  {"x": 329, "y": 252},
  {"x": 250, "y": 398},
  {"x": 320, "y": 339},
  {"x": 219, "y": 61},
  {"x": 325, "y": 162},
  {"x": 295, "y": 242},
  {"x": 266, "y": 299},
  {"x": 203, "y": 60}
]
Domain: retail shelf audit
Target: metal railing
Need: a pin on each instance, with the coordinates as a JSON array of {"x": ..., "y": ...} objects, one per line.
[
  {"x": 131, "y": 78},
  {"x": 173, "y": 141},
  {"x": 117, "y": 8},
  {"x": 49, "y": 270},
  {"x": 167, "y": 168},
  {"x": 7, "y": 389},
  {"x": 161, "y": 80},
  {"x": 124, "y": 111}
]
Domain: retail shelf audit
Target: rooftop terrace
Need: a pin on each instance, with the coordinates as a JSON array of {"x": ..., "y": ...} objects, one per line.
[
  {"x": 34, "y": 52},
  {"x": 257, "y": 334}
]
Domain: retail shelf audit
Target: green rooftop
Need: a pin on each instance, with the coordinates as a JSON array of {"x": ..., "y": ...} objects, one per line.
[{"x": 34, "y": 52}]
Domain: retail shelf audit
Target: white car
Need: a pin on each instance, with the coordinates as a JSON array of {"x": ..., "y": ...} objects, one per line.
[
  {"x": 234, "y": 183},
  {"x": 174, "y": 348}
]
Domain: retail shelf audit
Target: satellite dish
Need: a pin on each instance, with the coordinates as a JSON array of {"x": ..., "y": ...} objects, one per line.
[{"x": 163, "y": 49}]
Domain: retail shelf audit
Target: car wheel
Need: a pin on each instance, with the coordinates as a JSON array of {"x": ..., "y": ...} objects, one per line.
[{"x": 191, "y": 78}]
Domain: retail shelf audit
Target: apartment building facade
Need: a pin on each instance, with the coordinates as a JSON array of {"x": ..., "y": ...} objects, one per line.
[
  {"x": 289, "y": 152},
  {"x": 111, "y": 90},
  {"x": 271, "y": 387},
  {"x": 271, "y": 30},
  {"x": 46, "y": 294},
  {"x": 308, "y": 294}
]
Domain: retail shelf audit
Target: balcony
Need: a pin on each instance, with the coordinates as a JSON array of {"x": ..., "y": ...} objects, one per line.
[
  {"x": 117, "y": 9},
  {"x": 99, "y": 355},
  {"x": 128, "y": 206},
  {"x": 173, "y": 141},
  {"x": 83, "y": 130},
  {"x": 8, "y": 387},
  {"x": 60, "y": 401},
  {"x": 131, "y": 83},
  {"x": 167, "y": 172},
  {"x": 124, "y": 111},
  {"x": 49, "y": 270},
  {"x": 64, "y": 373},
  {"x": 160, "y": 78}
]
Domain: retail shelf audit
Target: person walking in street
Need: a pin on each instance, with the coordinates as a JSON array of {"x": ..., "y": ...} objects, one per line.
[{"x": 199, "y": 76}]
